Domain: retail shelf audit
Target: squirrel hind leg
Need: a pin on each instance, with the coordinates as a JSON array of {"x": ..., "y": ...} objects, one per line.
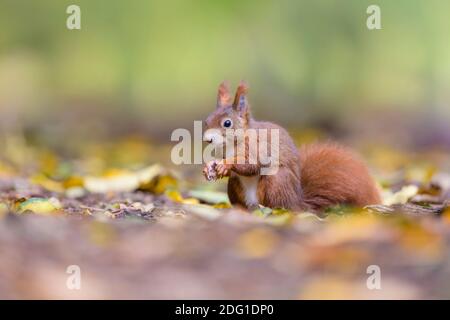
[
  {"x": 332, "y": 175},
  {"x": 281, "y": 190}
]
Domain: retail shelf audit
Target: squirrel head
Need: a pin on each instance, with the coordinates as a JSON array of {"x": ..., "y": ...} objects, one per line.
[{"x": 229, "y": 114}]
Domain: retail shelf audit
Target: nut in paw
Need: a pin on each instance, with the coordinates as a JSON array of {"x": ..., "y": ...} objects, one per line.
[{"x": 209, "y": 171}]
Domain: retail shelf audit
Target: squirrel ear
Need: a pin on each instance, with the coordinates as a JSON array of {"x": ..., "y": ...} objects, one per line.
[
  {"x": 223, "y": 95},
  {"x": 240, "y": 100}
]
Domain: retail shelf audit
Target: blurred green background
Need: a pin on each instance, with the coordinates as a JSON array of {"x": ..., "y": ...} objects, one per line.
[{"x": 150, "y": 66}]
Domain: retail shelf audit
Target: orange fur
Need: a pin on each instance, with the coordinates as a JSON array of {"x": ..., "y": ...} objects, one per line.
[{"x": 332, "y": 174}]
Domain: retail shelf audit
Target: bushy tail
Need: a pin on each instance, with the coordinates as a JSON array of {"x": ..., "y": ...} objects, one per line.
[{"x": 332, "y": 174}]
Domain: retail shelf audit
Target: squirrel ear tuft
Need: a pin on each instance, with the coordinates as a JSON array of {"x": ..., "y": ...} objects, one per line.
[
  {"x": 223, "y": 95},
  {"x": 240, "y": 100}
]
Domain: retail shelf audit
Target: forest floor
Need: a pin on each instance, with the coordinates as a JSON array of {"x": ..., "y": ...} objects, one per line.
[{"x": 136, "y": 229}]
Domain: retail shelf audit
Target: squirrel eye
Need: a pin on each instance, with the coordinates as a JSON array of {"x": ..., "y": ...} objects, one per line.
[{"x": 227, "y": 123}]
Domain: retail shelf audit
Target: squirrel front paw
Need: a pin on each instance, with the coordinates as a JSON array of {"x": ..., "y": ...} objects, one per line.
[
  {"x": 209, "y": 170},
  {"x": 214, "y": 170},
  {"x": 223, "y": 169}
]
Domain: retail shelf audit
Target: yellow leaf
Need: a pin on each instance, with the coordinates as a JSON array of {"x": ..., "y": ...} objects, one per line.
[
  {"x": 154, "y": 179},
  {"x": 160, "y": 184},
  {"x": 190, "y": 201},
  {"x": 72, "y": 182},
  {"x": 41, "y": 206},
  {"x": 175, "y": 195},
  {"x": 262, "y": 211},
  {"x": 222, "y": 205},
  {"x": 146, "y": 175},
  {"x": 47, "y": 183},
  {"x": 112, "y": 181},
  {"x": 280, "y": 211}
]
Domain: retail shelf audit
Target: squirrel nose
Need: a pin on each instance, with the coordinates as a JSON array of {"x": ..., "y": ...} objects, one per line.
[
  {"x": 208, "y": 137},
  {"x": 212, "y": 136}
]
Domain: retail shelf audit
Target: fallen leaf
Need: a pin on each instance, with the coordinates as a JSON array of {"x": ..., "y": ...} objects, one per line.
[
  {"x": 41, "y": 206},
  {"x": 147, "y": 174},
  {"x": 212, "y": 197},
  {"x": 400, "y": 197},
  {"x": 112, "y": 181},
  {"x": 156, "y": 179},
  {"x": 147, "y": 208},
  {"x": 222, "y": 205},
  {"x": 176, "y": 196},
  {"x": 73, "y": 182},
  {"x": 262, "y": 211},
  {"x": 47, "y": 183}
]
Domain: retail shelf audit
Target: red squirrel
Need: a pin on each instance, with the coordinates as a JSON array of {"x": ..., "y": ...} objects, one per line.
[{"x": 313, "y": 177}]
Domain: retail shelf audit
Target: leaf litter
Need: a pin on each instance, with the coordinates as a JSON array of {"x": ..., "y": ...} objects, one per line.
[{"x": 139, "y": 229}]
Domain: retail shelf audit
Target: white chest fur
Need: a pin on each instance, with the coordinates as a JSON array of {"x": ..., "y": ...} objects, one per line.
[{"x": 250, "y": 186}]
